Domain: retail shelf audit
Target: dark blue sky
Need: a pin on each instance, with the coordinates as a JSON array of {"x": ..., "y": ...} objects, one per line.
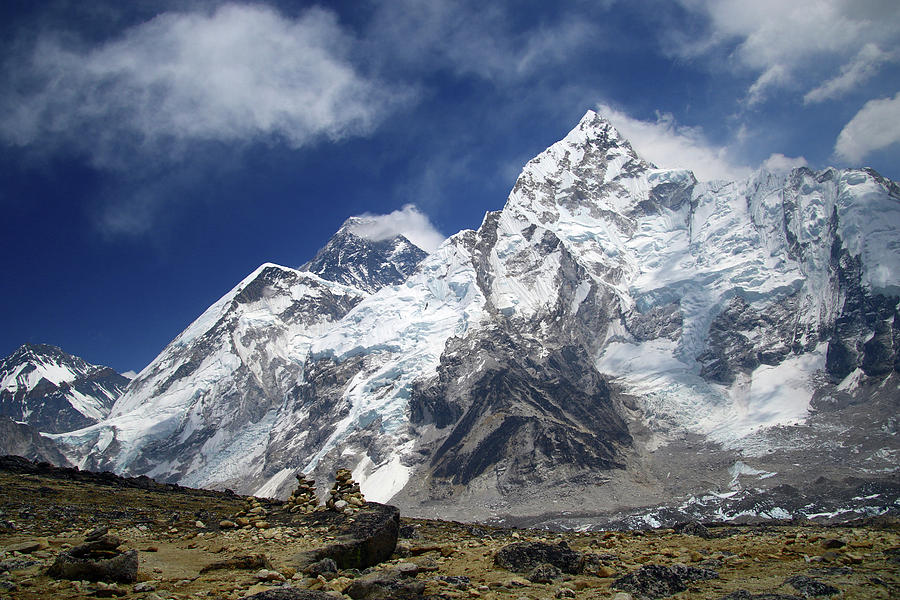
[{"x": 152, "y": 154}]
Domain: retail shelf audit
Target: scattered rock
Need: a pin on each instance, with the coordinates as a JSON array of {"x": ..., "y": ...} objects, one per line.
[
  {"x": 290, "y": 594},
  {"x": 523, "y": 557},
  {"x": 745, "y": 595},
  {"x": 565, "y": 592},
  {"x": 460, "y": 582}
]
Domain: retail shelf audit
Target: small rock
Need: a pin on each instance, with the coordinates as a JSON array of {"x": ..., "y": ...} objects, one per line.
[
  {"x": 226, "y": 524},
  {"x": 267, "y": 575},
  {"x": 565, "y": 592},
  {"x": 25, "y": 547},
  {"x": 199, "y": 524},
  {"x": 143, "y": 587}
]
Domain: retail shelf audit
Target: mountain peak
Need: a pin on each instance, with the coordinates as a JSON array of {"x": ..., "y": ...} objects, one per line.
[
  {"x": 365, "y": 262},
  {"x": 55, "y": 391}
]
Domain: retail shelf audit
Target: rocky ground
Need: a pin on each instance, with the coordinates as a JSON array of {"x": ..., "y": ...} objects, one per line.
[{"x": 177, "y": 543}]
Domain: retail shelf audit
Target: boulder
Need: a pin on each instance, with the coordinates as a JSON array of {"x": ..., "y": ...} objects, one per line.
[
  {"x": 389, "y": 584},
  {"x": 76, "y": 566},
  {"x": 524, "y": 557},
  {"x": 809, "y": 587},
  {"x": 658, "y": 581},
  {"x": 364, "y": 541}
]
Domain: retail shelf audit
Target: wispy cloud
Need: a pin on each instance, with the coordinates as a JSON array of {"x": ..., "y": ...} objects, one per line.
[
  {"x": 875, "y": 126},
  {"x": 779, "y": 163},
  {"x": 667, "y": 144},
  {"x": 862, "y": 68},
  {"x": 790, "y": 43},
  {"x": 409, "y": 222},
  {"x": 241, "y": 73}
]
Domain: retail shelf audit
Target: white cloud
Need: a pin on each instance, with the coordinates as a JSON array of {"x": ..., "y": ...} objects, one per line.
[
  {"x": 241, "y": 73},
  {"x": 773, "y": 77},
  {"x": 786, "y": 42},
  {"x": 669, "y": 145},
  {"x": 408, "y": 221},
  {"x": 861, "y": 69},
  {"x": 779, "y": 163},
  {"x": 875, "y": 126}
]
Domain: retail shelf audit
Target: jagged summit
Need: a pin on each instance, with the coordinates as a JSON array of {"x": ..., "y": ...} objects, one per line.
[
  {"x": 55, "y": 391},
  {"x": 354, "y": 259}
]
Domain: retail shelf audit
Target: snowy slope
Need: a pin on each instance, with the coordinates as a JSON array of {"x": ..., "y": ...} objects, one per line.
[
  {"x": 201, "y": 411},
  {"x": 54, "y": 391}
]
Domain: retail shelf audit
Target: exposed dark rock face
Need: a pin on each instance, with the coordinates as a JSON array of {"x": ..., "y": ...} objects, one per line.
[
  {"x": 741, "y": 338},
  {"x": 23, "y": 440}
]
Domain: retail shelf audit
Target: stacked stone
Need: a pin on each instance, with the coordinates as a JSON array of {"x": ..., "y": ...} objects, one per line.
[
  {"x": 304, "y": 499},
  {"x": 253, "y": 515},
  {"x": 345, "y": 495}
]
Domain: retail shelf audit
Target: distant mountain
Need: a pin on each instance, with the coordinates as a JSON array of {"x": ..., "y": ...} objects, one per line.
[
  {"x": 54, "y": 391},
  {"x": 617, "y": 336},
  {"x": 365, "y": 264}
]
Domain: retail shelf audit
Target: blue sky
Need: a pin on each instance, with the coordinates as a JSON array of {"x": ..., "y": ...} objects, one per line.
[{"x": 153, "y": 153}]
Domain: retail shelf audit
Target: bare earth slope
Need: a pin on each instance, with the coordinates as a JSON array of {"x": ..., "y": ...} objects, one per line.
[{"x": 178, "y": 537}]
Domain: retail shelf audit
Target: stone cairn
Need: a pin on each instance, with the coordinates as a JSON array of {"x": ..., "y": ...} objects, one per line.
[
  {"x": 303, "y": 499},
  {"x": 345, "y": 496},
  {"x": 253, "y": 515}
]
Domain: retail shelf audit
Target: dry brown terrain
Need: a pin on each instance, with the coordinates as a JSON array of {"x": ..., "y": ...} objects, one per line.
[{"x": 177, "y": 534}]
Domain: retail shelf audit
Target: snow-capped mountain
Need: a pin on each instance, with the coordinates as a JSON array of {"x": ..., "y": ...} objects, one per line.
[
  {"x": 54, "y": 391},
  {"x": 203, "y": 411},
  {"x": 616, "y": 335},
  {"x": 363, "y": 263}
]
